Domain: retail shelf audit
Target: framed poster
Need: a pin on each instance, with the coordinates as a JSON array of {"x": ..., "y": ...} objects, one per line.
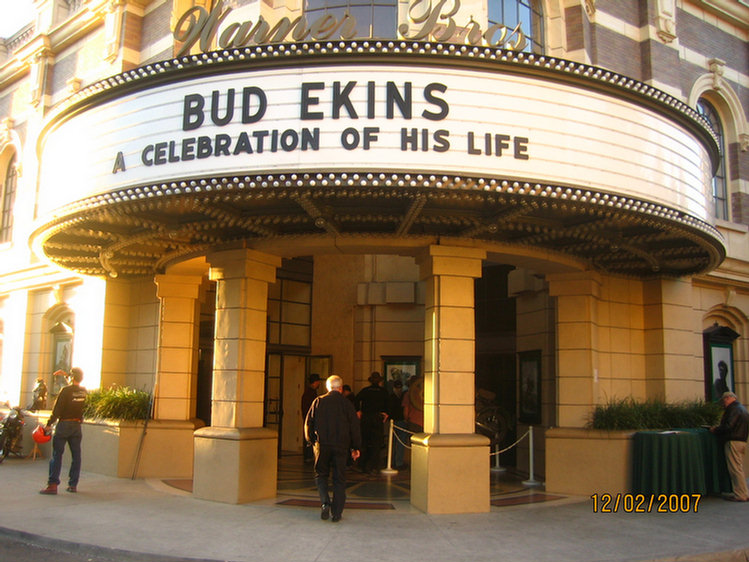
[
  {"x": 721, "y": 370},
  {"x": 61, "y": 362},
  {"x": 400, "y": 368},
  {"x": 529, "y": 374}
]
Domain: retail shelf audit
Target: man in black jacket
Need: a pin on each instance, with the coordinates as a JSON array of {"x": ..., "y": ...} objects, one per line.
[
  {"x": 734, "y": 430},
  {"x": 332, "y": 427},
  {"x": 372, "y": 404},
  {"x": 68, "y": 409}
]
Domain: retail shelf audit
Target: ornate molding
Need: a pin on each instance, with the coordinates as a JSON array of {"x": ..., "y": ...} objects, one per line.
[
  {"x": 717, "y": 68},
  {"x": 590, "y": 7},
  {"x": 6, "y": 131},
  {"x": 666, "y": 22}
]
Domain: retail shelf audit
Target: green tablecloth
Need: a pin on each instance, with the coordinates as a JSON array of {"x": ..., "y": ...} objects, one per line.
[{"x": 680, "y": 461}]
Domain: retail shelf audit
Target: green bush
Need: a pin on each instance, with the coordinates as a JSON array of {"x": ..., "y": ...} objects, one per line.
[
  {"x": 117, "y": 403},
  {"x": 630, "y": 414}
]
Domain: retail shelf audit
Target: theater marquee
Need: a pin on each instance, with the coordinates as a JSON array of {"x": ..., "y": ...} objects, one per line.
[{"x": 415, "y": 117}]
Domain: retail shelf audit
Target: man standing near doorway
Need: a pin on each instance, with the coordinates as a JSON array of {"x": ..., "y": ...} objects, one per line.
[
  {"x": 372, "y": 403},
  {"x": 310, "y": 393},
  {"x": 734, "y": 430},
  {"x": 332, "y": 427},
  {"x": 68, "y": 409}
]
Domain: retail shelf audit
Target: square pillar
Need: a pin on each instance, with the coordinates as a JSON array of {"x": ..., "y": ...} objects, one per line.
[
  {"x": 577, "y": 297},
  {"x": 175, "y": 393},
  {"x": 673, "y": 349},
  {"x": 450, "y": 462},
  {"x": 235, "y": 458}
]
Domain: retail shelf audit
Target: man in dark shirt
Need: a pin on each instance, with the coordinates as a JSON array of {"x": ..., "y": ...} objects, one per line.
[
  {"x": 333, "y": 429},
  {"x": 373, "y": 405},
  {"x": 68, "y": 409},
  {"x": 734, "y": 430}
]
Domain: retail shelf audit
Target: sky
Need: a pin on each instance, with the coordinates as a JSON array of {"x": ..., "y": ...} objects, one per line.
[{"x": 14, "y": 14}]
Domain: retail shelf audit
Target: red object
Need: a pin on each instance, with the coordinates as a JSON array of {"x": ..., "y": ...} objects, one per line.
[{"x": 39, "y": 435}]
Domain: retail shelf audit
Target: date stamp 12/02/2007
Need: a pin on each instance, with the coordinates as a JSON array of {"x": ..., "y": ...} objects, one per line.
[{"x": 646, "y": 503}]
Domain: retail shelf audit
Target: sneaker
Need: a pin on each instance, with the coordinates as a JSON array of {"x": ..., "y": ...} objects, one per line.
[
  {"x": 336, "y": 518},
  {"x": 71, "y": 489},
  {"x": 325, "y": 512},
  {"x": 50, "y": 490}
]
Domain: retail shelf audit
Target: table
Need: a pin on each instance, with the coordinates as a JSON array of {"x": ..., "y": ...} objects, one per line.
[{"x": 679, "y": 461}]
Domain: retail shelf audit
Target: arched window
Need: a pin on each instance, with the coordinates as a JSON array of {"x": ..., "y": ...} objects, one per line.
[
  {"x": 720, "y": 187},
  {"x": 374, "y": 18},
  {"x": 527, "y": 13},
  {"x": 379, "y": 18},
  {"x": 9, "y": 197}
]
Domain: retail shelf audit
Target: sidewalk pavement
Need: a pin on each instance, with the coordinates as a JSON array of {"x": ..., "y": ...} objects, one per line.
[{"x": 150, "y": 521}]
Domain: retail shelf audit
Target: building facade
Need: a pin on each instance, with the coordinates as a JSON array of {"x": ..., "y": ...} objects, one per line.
[{"x": 547, "y": 200}]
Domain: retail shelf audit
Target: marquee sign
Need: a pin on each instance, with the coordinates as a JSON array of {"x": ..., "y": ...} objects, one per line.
[
  {"x": 384, "y": 117},
  {"x": 358, "y": 137}
]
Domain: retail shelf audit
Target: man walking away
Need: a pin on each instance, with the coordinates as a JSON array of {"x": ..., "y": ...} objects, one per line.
[
  {"x": 734, "y": 430},
  {"x": 333, "y": 429},
  {"x": 68, "y": 409}
]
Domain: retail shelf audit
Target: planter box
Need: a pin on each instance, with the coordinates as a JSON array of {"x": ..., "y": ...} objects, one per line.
[
  {"x": 112, "y": 448},
  {"x": 587, "y": 461}
]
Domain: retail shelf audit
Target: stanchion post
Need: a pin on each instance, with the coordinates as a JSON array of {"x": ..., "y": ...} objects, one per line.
[
  {"x": 389, "y": 469},
  {"x": 531, "y": 478},
  {"x": 497, "y": 467}
]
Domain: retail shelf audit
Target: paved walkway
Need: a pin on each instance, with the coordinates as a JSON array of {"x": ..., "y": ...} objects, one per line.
[{"x": 153, "y": 520}]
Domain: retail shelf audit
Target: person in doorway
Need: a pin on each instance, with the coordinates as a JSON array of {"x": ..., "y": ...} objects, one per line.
[
  {"x": 39, "y": 395},
  {"x": 413, "y": 405},
  {"x": 332, "y": 427},
  {"x": 348, "y": 393},
  {"x": 309, "y": 395},
  {"x": 734, "y": 431},
  {"x": 400, "y": 437},
  {"x": 68, "y": 413},
  {"x": 372, "y": 407}
]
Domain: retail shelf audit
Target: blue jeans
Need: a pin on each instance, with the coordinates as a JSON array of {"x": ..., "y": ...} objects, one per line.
[{"x": 66, "y": 432}]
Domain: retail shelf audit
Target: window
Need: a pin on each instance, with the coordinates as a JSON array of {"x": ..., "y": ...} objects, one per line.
[
  {"x": 375, "y": 19},
  {"x": 378, "y": 18},
  {"x": 9, "y": 197},
  {"x": 527, "y": 13},
  {"x": 720, "y": 191}
]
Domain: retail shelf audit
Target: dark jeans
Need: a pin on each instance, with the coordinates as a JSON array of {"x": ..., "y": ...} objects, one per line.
[
  {"x": 327, "y": 459},
  {"x": 66, "y": 432},
  {"x": 373, "y": 438}
]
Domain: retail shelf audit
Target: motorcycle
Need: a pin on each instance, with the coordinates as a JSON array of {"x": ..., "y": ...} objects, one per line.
[
  {"x": 11, "y": 433},
  {"x": 491, "y": 419}
]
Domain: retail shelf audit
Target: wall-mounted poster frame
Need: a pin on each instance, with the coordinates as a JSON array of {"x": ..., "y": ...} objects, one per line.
[
  {"x": 529, "y": 385},
  {"x": 721, "y": 370},
  {"x": 718, "y": 353},
  {"x": 400, "y": 367}
]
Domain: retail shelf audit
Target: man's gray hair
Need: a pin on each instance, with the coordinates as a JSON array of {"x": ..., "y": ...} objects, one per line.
[{"x": 334, "y": 382}]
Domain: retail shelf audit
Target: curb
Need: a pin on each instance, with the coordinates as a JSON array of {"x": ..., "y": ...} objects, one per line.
[{"x": 93, "y": 550}]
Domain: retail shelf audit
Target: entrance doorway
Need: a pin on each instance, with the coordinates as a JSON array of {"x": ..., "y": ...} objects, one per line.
[{"x": 285, "y": 382}]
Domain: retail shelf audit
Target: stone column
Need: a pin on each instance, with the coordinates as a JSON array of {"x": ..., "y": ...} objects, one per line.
[
  {"x": 175, "y": 391},
  {"x": 179, "y": 324},
  {"x": 235, "y": 458},
  {"x": 673, "y": 348},
  {"x": 577, "y": 345},
  {"x": 450, "y": 462}
]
